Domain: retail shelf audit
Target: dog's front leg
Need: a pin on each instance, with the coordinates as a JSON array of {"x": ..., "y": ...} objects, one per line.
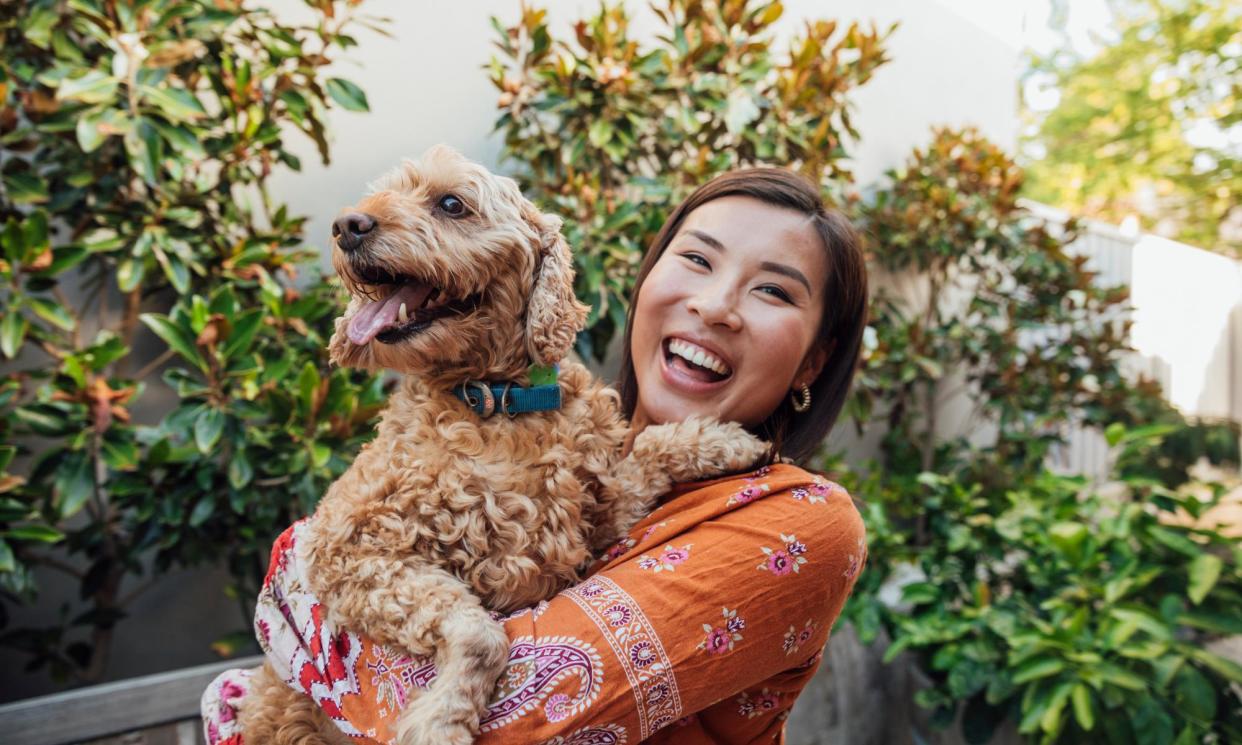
[
  {"x": 666, "y": 454},
  {"x": 470, "y": 657},
  {"x": 424, "y": 610}
]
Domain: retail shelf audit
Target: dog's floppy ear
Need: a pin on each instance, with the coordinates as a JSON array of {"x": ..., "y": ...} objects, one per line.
[{"x": 553, "y": 315}]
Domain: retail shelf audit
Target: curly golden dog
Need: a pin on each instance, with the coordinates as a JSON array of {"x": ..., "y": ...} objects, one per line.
[{"x": 447, "y": 514}]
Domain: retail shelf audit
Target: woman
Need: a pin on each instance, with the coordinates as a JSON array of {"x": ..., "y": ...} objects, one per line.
[{"x": 704, "y": 624}]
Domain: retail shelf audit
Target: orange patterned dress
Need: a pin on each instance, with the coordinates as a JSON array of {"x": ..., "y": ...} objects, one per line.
[{"x": 702, "y": 626}]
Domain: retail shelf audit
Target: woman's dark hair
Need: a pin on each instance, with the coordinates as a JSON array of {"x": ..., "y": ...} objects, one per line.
[{"x": 795, "y": 435}]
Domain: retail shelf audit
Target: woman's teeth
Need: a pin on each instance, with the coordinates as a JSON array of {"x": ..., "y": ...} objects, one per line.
[{"x": 696, "y": 355}]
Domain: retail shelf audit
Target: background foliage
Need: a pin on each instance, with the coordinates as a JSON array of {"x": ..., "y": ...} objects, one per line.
[
  {"x": 1081, "y": 616},
  {"x": 1147, "y": 125},
  {"x": 138, "y": 138},
  {"x": 609, "y": 133}
]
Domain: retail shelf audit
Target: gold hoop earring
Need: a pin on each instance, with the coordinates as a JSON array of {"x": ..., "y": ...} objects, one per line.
[{"x": 805, "y": 403}]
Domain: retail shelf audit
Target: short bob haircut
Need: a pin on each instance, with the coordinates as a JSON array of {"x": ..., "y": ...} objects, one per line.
[{"x": 794, "y": 435}]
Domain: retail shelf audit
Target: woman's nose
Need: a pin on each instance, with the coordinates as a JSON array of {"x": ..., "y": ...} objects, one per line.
[{"x": 715, "y": 306}]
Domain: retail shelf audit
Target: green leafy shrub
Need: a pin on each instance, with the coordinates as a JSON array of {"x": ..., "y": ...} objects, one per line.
[
  {"x": 138, "y": 141},
  {"x": 1037, "y": 341},
  {"x": 1080, "y": 615},
  {"x": 611, "y": 134}
]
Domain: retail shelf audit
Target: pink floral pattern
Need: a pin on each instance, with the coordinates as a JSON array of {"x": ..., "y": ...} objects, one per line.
[
  {"x": 816, "y": 492},
  {"x": 667, "y": 561},
  {"x": 721, "y": 639},
  {"x": 751, "y": 706},
  {"x": 219, "y": 707},
  {"x": 782, "y": 561},
  {"x": 854, "y": 561},
  {"x": 795, "y": 638},
  {"x": 747, "y": 494}
]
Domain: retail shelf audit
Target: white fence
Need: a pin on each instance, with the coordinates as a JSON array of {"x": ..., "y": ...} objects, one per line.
[{"x": 1186, "y": 308}]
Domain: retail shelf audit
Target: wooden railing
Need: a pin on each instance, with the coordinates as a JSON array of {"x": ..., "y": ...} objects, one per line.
[{"x": 156, "y": 710}]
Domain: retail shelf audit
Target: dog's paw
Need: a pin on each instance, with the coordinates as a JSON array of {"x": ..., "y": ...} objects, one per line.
[
  {"x": 700, "y": 447},
  {"x": 427, "y": 720}
]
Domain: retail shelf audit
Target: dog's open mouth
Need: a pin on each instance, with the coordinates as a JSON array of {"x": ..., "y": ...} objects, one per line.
[{"x": 402, "y": 307}]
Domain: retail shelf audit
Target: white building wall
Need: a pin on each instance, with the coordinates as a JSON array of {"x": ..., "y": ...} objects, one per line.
[{"x": 954, "y": 62}]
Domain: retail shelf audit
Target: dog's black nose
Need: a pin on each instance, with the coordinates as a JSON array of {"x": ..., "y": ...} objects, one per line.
[{"x": 350, "y": 228}]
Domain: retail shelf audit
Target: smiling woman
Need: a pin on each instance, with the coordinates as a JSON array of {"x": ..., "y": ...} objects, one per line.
[{"x": 749, "y": 290}]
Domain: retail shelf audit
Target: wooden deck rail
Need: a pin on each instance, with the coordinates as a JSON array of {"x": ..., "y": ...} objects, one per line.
[{"x": 123, "y": 707}]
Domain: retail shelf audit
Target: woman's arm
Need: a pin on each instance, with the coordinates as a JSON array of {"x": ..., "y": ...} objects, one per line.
[{"x": 731, "y": 597}]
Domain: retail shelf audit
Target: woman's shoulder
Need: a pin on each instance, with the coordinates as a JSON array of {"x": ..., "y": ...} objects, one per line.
[
  {"x": 812, "y": 500},
  {"x": 781, "y": 494}
]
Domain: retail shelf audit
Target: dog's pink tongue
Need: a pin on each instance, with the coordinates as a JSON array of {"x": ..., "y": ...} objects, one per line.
[{"x": 378, "y": 315}]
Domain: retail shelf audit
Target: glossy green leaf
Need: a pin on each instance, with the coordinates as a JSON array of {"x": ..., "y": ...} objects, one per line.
[
  {"x": 240, "y": 470},
  {"x": 1228, "y": 669},
  {"x": 44, "y": 419},
  {"x": 208, "y": 427},
  {"x": 1218, "y": 622},
  {"x": 178, "y": 339},
  {"x": 1195, "y": 695},
  {"x": 74, "y": 484},
  {"x": 25, "y": 188},
  {"x": 13, "y": 328},
  {"x": 1038, "y": 668},
  {"x": 52, "y": 312},
  {"x": 129, "y": 274},
  {"x": 320, "y": 453},
  {"x": 1084, "y": 707},
  {"x": 92, "y": 87},
  {"x": 41, "y": 533},
  {"x": 347, "y": 94},
  {"x": 307, "y": 383},
  {"x": 7, "y": 561},
  {"x": 243, "y": 333},
  {"x": 176, "y": 103},
  {"x": 202, "y": 512},
  {"x": 1204, "y": 572},
  {"x": 37, "y": 24}
]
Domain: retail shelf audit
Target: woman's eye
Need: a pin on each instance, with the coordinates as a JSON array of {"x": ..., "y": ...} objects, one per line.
[
  {"x": 777, "y": 292},
  {"x": 697, "y": 259},
  {"x": 452, "y": 206}
]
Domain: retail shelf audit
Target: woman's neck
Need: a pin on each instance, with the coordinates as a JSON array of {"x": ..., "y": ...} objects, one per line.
[{"x": 638, "y": 423}]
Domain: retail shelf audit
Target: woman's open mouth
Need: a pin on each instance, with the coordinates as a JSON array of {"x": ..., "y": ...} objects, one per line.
[
  {"x": 689, "y": 360},
  {"x": 401, "y": 306}
]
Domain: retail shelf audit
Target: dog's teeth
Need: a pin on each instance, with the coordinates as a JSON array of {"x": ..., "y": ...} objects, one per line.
[{"x": 402, "y": 315}]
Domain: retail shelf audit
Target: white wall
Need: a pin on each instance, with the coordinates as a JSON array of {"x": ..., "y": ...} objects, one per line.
[{"x": 954, "y": 62}]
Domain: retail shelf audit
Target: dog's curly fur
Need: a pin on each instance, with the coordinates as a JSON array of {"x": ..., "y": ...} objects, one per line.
[{"x": 446, "y": 515}]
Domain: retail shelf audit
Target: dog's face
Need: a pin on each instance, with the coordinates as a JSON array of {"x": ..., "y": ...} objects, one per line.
[{"x": 453, "y": 273}]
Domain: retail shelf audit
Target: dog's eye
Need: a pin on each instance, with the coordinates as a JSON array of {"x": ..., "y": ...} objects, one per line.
[{"x": 452, "y": 206}]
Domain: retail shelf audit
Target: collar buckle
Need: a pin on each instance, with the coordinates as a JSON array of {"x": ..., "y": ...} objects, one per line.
[{"x": 485, "y": 403}]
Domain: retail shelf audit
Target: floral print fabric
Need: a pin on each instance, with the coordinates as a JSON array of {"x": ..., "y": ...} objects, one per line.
[{"x": 684, "y": 631}]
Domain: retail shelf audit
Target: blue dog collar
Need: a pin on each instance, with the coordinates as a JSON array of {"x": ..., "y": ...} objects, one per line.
[{"x": 486, "y": 398}]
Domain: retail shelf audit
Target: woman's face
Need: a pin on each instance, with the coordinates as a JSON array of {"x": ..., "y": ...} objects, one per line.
[{"x": 725, "y": 321}]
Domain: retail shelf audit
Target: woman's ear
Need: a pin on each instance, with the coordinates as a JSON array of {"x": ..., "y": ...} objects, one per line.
[
  {"x": 814, "y": 362},
  {"x": 553, "y": 315}
]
